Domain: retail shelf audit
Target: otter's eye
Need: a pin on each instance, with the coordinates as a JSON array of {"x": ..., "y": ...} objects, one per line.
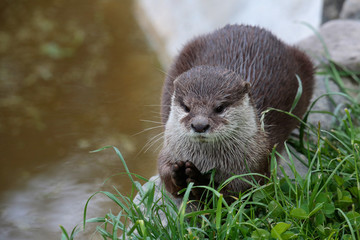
[
  {"x": 219, "y": 109},
  {"x": 186, "y": 108}
]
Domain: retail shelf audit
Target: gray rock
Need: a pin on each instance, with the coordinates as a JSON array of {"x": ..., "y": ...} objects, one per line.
[
  {"x": 155, "y": 186},
  {"x": 341, "y": 38},
  {"x": 350, "y": 10},
  {"x": 286, "y": 164},
  {"x": 331, "y": 9},
  {"x": 155, "y": 182},
  {"x": 324, "y": 103}
]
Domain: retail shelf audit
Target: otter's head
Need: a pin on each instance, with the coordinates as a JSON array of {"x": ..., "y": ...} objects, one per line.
[{"x": 209, "y": 103}]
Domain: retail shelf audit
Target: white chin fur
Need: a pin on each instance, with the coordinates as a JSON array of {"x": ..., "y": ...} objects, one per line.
[{"x": 200, "y": 137}]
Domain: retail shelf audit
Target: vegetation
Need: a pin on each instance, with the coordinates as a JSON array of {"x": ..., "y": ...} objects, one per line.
[{"x": 322, "y": 204}]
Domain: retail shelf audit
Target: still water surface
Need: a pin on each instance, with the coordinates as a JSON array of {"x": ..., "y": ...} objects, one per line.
[{"x": 74, "y": 77}]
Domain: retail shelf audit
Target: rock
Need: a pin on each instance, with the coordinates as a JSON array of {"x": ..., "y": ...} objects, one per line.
[
  {"x": 324, "y": 104},
  {"x": 342, "y": 47},
  {"x": 169, "y": 24},
  {"x": 155, "y": 182},
  {"x": 285, "y": 163},
  {"x": 331, "y": 9},
  {"x": 341, "y": 38},
  {"x": 351, "y": 10}
]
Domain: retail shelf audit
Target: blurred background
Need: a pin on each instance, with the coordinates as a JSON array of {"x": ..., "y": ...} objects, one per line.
[
  {"x": 74, "y": 76},
  {"x": 77, "y": 76}
]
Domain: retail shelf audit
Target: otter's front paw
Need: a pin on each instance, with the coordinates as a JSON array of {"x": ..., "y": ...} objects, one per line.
[
  {"x": 178, "y": 175},
  {"x": 183, "y": 173},
  {"x": 194, "y": 175}
]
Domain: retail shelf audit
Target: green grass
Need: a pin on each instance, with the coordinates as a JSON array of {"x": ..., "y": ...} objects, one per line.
[{"x": 322, "y": 204}]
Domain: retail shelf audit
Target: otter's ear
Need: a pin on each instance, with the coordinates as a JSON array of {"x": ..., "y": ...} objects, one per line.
[
  {"x": 178, "y": 88},
  {"x": 243, "y": 88},
  {"x": 246, "y": 87},
  {"x": 240, "y": 91},
  {"x": 176, "y": 85},
  {"x": 175, "y": 82}
]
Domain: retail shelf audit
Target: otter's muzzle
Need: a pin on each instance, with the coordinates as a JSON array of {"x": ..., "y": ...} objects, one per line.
[{"x": 200, "y": 124}]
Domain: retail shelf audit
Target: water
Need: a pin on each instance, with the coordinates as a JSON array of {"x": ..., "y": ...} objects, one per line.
[{"x": 73, "y": 78}]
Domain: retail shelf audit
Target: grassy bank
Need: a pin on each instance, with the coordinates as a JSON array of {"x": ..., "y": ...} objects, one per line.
[{"x": 322, "y": 204}]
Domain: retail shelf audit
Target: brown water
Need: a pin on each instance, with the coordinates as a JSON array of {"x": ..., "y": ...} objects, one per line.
[{"x": 74, "y": 76}]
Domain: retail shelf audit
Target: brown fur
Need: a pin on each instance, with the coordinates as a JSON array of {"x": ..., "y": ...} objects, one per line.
[{"x": 218, "y": 67}]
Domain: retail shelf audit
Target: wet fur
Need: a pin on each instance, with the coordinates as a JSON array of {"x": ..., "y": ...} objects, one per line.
[{"x": 238, "y": 55}]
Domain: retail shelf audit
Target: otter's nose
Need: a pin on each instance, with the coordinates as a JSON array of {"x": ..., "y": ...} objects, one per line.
[{"x": 200, "y": 124}]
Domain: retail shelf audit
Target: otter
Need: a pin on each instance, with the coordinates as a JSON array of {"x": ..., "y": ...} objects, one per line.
[{"x": 212, "y": 100}]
